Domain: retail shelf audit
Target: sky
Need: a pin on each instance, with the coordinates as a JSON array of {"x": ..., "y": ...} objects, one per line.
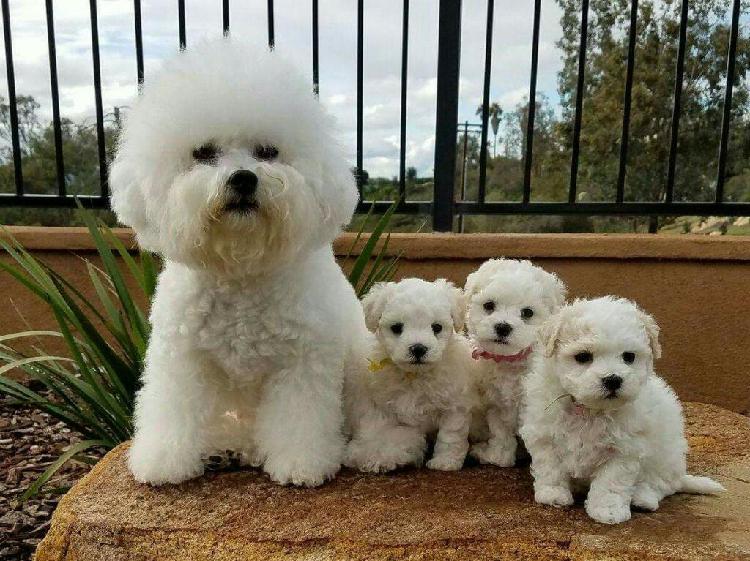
[{"x": 511, "y": 55}]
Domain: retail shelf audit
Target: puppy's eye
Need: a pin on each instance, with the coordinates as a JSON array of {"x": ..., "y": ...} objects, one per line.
[
  {"x": 584, "y": 357},
  {"x": 206, "y": 154},
  {"x": 436, "y": 328},
  {"x": 397, "y": 328},
  {"x": 628, "y": 357},
  {"x": 489, "y": 306},
  {"x": 266, "y": 152},
  {"x": 527, "y": 313}
]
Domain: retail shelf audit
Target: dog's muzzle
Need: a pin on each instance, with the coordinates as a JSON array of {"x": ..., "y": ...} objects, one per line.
[{"x": 242, "y": 186}]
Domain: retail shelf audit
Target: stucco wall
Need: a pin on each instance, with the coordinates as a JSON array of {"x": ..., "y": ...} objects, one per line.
[{"x": 698, "y": 288}]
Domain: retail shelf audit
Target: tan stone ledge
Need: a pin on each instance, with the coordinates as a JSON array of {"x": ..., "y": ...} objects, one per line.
[
  {"x": 473, "y": 246},
  {"x": 477, "y": 514}
]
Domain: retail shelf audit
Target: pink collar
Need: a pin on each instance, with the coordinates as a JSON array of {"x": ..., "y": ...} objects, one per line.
[
  {"x": 579, "y": 410},
  {"x": 521, "y": 355}
]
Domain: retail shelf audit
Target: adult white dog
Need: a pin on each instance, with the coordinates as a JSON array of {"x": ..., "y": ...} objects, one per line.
[
  {"x": 508, "y": 301},
  {"x": 598, "y": 416},
  {"x": 418, "y": 382},
  {"x": 228, "y": 167}
]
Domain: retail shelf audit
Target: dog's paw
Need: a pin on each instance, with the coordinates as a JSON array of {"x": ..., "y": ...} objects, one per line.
[
  {"x": 373, "y": 457},
  {"x": 250, "y": 457},
  {"x": 645, "y": 498},
  {"x": 445, "y": 463},
  {"x": 393, "y": 448},
  {"x": 375, "y": 465},
  {"x": 155, "y": 465},
  {"x": 553, "y": 495},
  {"x": 300, "y": 473},
  {"x": 501, "y": 456},
  {"x": 609, "y": 508}
]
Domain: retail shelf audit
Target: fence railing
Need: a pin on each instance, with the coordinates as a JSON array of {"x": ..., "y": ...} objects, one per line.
[{"x": 446, "y": 203}]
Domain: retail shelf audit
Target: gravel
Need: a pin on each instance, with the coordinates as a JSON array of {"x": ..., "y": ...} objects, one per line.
[{"x": 29, "y": 442}]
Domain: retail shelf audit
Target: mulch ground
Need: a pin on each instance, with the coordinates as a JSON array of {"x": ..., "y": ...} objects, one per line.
[{"x": 29, "y": 442}]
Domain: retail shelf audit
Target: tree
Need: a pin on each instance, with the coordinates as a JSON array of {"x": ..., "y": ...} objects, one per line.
[
  {"x": 411, "y": 174},
  {"x": 38, "y": 161},
  {"x": 28, "y": 123},
  {"x": 657, "y": 38},
  {"x": 495, "y": 114}
]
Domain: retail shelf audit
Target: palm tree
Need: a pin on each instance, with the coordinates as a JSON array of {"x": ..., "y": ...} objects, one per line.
[{"x": 494, "y": 112}]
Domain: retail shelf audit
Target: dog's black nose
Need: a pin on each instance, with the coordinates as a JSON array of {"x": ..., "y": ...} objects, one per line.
[
  {"x": 612, "y": 382},
  {"x": 418, "y": 350},
  {"x": 244, "y": 182},
  {"x": 503, "y": 329}
]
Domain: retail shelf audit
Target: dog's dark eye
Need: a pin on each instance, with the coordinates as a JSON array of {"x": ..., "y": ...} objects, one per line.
[
  {"x": 397, "y": 328},
  {"x": 584, "y": 357},
  {"x": 436, "y": 328},
  {"x": 628, "y": 357},
  {"x": 489, "y": 306},
  {"x": 206, "y": 154},
  {"x": 527, "y": 313},
  {"x": 266, "y": 152}
]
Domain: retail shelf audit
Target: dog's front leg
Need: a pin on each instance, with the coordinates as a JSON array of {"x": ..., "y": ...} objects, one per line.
[
  {"x": 171, "y": 413},
  {"x": 300, "y": 422},
  {"x": 551, "y": 481},
  {"x": 611, "y": 490},
  {"x": 500, "y": 449},
  {"x": 452, "y": 441}
]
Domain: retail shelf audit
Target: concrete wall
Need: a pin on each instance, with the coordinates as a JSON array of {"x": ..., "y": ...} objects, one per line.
[{"x": 698, "y": 289}]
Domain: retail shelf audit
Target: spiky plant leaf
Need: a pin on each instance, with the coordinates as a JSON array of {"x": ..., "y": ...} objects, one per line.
[{"x": 92, "y": 388}]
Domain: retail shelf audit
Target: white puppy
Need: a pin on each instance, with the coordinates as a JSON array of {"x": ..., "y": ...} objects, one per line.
[
  {"x": 598, "y": 416},
  {"x": 507, "y": 301},
  {"x": 418, "y": 381},
  {"x": 228, "y": 168}
]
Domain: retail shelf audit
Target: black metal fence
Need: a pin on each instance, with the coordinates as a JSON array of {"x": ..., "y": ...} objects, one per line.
[{"x": 447, "y": 203}]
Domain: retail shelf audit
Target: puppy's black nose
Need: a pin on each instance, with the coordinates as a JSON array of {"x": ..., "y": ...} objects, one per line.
[
  {"x": 418, "y": 350},
  {"x": 612, "y": 382},
  {"x": 243, "y": 182},
  {"x": 503, "y": 329}
]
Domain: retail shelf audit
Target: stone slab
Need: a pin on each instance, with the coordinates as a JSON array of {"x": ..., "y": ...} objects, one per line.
[{"x": 478, "y": 514}]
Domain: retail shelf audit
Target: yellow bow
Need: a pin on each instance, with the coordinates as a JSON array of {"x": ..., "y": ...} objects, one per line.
[{"x": 378, "y": 365}]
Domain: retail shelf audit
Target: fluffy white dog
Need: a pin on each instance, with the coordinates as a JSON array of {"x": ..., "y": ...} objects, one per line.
[
  {"x": 507, "y": 301},
  {"x": 598, "y": 416},
  {"x": 227, "y": 167},
  {"x": 418, "y": 381}
]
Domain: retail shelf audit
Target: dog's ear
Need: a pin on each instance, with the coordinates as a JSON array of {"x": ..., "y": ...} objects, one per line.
[
  {"x": 652, "y": 331},
  {"x": 338, "y": 189},
  {"x": 374, "y": 303},
  {"x": 129, "y": 201},
  {"x": 554, "y": 288},
  {"x": 458, "y": 304},
  {"x": 549, "y": 333}
]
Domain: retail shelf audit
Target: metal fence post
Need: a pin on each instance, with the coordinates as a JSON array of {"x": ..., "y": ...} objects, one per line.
[{"x": 449, "y": 56}]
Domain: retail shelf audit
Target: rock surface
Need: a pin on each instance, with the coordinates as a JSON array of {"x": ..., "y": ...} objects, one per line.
[{"x": 477, "y": 514}]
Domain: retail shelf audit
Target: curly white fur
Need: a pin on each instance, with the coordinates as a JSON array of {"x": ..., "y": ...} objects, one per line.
[
  {"x": 501, "y": 293},
  {"x": 402, "y": 398},
  {"x": 253, "y": 320},
  {"x": 625, "y": 444}
]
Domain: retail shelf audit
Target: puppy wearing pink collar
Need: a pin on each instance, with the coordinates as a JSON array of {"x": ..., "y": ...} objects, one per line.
[
  {"x": 507, "y": 302},
  {"x": 598, "y": 419}
]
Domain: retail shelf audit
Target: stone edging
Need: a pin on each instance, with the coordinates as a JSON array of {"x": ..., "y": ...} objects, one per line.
[{"x": 683, "y": 247}]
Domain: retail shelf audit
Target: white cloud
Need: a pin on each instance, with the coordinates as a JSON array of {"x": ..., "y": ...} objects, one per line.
[{"x": 338, "y": 45}]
